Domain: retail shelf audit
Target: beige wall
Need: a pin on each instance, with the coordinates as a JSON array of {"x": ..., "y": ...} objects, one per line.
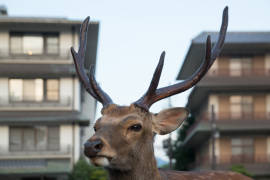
[
  {"x": 259, "y": 106},
  {"x": 259, "y": 64},
  {"x": 224, "y": 106},
  {"x": 224, "y": 65},
  {"x": 4, "y": 94},
  {"x": 260, "y": 146},
  {"x": 225, "y": 150}
]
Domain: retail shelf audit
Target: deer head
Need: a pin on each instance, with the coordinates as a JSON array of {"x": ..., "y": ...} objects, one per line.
[{"x": 123, "y": 139}]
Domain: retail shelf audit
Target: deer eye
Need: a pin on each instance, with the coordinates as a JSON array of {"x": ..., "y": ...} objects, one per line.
[{"x": 135, "y": 127}]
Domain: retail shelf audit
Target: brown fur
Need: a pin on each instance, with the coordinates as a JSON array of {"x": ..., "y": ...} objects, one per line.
[{"x": 131, "y": 153}]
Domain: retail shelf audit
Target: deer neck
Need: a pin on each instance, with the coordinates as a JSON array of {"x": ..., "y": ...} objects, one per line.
[{"x": 144, "y": 167}]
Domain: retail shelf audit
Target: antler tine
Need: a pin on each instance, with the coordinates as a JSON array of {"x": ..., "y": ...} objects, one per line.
[
  {"x": 79, "y": 64},
  {"x": 153, "y": 85},
  {"x": 104, "y": 97},
  {"x": 146, "y": 101}
]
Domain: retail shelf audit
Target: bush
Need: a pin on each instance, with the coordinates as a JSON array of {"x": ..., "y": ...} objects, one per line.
[
  {"x": 85, "y": 171},
  {"x": 240, "y": 169}
]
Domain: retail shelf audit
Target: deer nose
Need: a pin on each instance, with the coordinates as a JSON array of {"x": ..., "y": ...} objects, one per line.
[{"x": 92, "y": 147}]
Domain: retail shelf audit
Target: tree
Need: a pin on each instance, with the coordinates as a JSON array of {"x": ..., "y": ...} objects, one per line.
[
  {"x": 183, "y": 156},
  {"x": 85, "y": 171}
]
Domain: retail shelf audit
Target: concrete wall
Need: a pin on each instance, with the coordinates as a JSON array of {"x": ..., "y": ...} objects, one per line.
[
  {"x": 65, "y": 39},
  {"x": 4, "y": 42},
  {"x": 4, "y": 94},
  {"x": 4, "y": 142},
  {"x": 77, "y": 94},
  {"x": 66, "y": 90},
  {"x": 67, "y": 139}
]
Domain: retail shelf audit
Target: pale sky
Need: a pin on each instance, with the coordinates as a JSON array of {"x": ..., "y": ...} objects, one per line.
[{"x": 134, "y": 33}]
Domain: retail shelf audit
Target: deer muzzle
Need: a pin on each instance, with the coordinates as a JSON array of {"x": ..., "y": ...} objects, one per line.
[{"x": 92, "y": 148}]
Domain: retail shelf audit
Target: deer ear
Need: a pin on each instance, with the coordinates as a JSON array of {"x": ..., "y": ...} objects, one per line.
[{"x": 168, "y": 120}]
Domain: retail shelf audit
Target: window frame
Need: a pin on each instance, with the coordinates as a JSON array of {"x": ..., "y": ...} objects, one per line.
[
  {"x": 44, "y": 36},
  {"x": 44, "y": 100},
  {"x": 36, "y": 148}
]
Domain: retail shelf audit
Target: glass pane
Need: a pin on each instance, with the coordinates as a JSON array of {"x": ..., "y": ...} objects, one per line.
[
  {"x": 248, "y": 142},
  {"x": 39, "y": 90},
  {"x": 235, "y": 67},
  {"x": 29, "y": 90},
  {"x": 29, "y": 139},
  {"x": 15, "y": 140},
  {"x": 247, "y": 66},
  {"x": 16, "y": 44},
  {"x": 53, "y": 138},
  {"x": 52, "y": 45},
  {"x": 52, "y": 89},
  {"x": 236, "y": 150},
  {"x": 41, "y": 138},
  {"x": 236, "y": 142},
  {"x": 16, "y": 89},
  {"x": 32, "y": 44}
]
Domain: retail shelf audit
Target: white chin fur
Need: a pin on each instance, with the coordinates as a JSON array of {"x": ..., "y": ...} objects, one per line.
[{"x": 100, "y": 161}]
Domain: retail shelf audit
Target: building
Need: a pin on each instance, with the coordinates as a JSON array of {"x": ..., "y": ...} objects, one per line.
[
  {"x": 238, "y": 88},
  {"x": 44, "y": 111}
]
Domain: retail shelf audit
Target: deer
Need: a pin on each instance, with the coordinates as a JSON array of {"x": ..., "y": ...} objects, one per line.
[{"x": 124, "y": 135}]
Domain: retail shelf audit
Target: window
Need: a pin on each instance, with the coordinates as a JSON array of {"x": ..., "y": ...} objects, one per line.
[
  {"x": 34, "y": 138},
  {"x": 241, "y": 107},
  {"x": 52, "y": 44},
  {"x": 242, "y": 150},
  {"x": 239, "y": 67},
  {"x": 52, "y": 89},
  {"x": 34, "y": 44},
  {"x": 33, "y": 90}
]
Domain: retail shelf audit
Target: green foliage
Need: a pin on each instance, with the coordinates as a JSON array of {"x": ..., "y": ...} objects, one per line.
[
  {"x": 84, "y": 171},
  {"x": 182, "y": 155},
  {"x": 240, "y": 169}
]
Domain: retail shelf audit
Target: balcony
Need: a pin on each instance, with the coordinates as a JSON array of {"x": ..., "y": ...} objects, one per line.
[
  {"x": 244, "y": 72},
  {"x": 227, "y": 122},
  {"x": 63, "y": 152},
  {"x": 7, "y": 56},
  {"x": 63, "y": 103},
  {"x": 233, "y": 79},
  {"x": 256, "y": 164}
]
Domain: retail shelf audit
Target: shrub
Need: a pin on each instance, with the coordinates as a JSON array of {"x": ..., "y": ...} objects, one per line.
[{"x": 85, "y": 171}]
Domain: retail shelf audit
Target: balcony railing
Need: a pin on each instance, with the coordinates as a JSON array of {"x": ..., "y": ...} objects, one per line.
[
  {"x": 238, "y": 72},
  {"x": 230, "y": 117},
  {"x": 66, "y": 102},
  {"x": 233, "y": 159},
  {"x": 8, "y": 154},
  {"x": 62, "y": 54}
]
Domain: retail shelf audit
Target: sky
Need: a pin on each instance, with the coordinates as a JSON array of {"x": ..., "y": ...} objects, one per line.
[{"x": 134, "y": 33}]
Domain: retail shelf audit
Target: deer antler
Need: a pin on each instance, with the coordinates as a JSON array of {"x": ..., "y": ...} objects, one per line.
[
  {"x": 153, "y": 94},
  {"x": 89, "y": 83}
]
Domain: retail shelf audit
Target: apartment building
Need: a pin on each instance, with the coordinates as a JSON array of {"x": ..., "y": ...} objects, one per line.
[
  {"x": 44, "y": 111},
  {"x": 236, "y": 93}
]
